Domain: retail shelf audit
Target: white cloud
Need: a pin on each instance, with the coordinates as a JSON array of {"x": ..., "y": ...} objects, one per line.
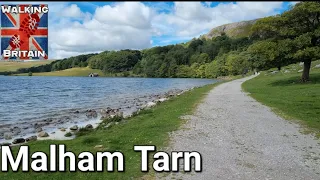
[
  {"x": 124, "y": 25},
  {"x": 72, "y": 11},
  {"x": 133, "y": 14},
  {"x": 194, "y": 18},
  {"x": 138, "y": 25},
  {"x": 133, "y": 24},
  {"x": 192, "y": 11}
]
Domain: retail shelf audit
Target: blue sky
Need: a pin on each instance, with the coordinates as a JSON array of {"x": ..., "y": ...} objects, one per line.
[{"x": 85, "y": 27}]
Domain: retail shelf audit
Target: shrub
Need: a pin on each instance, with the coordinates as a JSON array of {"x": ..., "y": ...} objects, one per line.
[
  {"x": 83, "y": 131},
  {"x": 68, "y": 134}
]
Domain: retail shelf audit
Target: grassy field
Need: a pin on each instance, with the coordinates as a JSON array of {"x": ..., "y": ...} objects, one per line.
[
  {"x": 287, "y": 96},
  {"x": 67, "y": 72},
  {"x": 148, "y": 128},
  {"x": 13, "y": 66}
]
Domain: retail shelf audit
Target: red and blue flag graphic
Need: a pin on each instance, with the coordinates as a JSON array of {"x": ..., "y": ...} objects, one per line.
[{"x": 24, "y": 32}]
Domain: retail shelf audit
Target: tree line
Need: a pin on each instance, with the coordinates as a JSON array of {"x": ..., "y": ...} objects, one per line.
[{"x": 274, "y": 41}]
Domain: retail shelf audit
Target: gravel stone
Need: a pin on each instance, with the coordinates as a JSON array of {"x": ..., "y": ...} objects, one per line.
[{"x": 240, "y": 138}]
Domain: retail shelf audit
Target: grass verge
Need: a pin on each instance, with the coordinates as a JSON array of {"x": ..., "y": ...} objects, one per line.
[
  {"x": 288, "y": 97},
  {"x": 77, "y": 71},
  {"x": 148, "y": 128}
]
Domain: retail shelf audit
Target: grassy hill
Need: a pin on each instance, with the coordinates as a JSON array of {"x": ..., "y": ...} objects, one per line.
[
  {"x": 77, "y": 71},
  {"x": 14, "y": 65}
]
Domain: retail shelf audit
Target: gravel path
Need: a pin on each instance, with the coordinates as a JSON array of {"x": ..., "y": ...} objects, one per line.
[{"x": 240, "y": 138}]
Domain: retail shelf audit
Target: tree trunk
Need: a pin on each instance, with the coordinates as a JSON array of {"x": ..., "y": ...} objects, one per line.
[
  {"x": 306, "y": 71},
  {"x": 279, "y": 68}
]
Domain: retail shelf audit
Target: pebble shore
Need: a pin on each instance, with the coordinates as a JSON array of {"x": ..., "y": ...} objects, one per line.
[{"x": 65, "y": 126}]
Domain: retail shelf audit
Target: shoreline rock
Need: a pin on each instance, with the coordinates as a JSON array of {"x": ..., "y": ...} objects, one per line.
[
  {"x": 130, "y": 106},
  {"x": 32, "y": 138},
  {"x": 89, "y": 126},
  {"x": 43, "y": 134},
  {"x": 18, "y": 141},
  {"x": 7, "y": 136},
  {"x": 74, "y": 128},
  {"x": 91, "y": 113}
]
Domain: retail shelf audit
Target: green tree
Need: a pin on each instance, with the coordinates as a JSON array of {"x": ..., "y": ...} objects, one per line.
[
  {"x": 271, "y": 53},
  {"x": 236, "y": 63},
  {"x": 185, "y": 71},
  {"x": 299, "y": 24},
  {"x": 212, "y": 70},
  {"x": 201, "y": 71}
]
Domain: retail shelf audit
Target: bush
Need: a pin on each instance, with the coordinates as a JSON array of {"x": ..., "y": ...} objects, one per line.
[
  {"x": 30, "y": 74},
  {"x": 83, "y": 131},
  {"x": 68, "y": 134}
]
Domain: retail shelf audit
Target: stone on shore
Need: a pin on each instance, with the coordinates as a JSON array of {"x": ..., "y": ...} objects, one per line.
[
  {"x": 162, "y": 99},
  {"x": 7, "y": 136},
  {"x": 63, "y": 129},
  {"x": 74, "y": 128},
  {"x": 99, "y": 147},
  {"x": 89, "y": 126},
  {"x": 149, "y": 105},
  {"x": 38, "y": 129},
  {"x": 18, "y": 141},
  {"x": 91, "y": 113},
  {"x": 16, "y": 130},
  {"x": 32, "y": 138},
  {"x": 43, "y": 134}
]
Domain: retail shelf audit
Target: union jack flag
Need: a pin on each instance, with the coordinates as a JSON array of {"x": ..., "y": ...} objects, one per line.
[{"x": 24, "y": 32}]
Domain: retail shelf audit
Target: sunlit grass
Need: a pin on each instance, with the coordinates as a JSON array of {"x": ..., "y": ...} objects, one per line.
[
  {"x": 14, "y": 65},
  {"x": 77, "y": 71},
  {"x": 287, "y": 96}
]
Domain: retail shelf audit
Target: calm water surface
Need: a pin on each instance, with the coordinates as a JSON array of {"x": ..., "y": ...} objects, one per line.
[{"x": 28, "y": 99}]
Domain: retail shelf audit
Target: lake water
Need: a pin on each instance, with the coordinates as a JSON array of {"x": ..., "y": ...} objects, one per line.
[{"x": 53, "y": 100}]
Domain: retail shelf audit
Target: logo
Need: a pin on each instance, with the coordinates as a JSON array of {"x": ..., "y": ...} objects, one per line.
[{"x": 24, "y": 32}]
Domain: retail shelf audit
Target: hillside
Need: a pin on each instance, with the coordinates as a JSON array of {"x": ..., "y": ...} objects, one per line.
[
  {"x": 237, "y": 29},
  {"x": 232, "y": 52},
  {"x": 15, "y": 65},
  {"x": 76, "y": 71}
]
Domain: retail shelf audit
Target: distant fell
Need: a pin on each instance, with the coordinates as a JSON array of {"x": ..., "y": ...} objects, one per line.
[{"x": 237, "y": 29}]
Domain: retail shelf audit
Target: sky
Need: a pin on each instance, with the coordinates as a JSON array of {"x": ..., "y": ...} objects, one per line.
[{"x": 92, "y": 27}]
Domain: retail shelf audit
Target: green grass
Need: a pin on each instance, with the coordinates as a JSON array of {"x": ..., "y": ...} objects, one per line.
[
  {"x": 148, "y": 128},
  {"x": 288, "y": 97},
  {"x": 67, "y": 72},
  {"x": 13, "y": 66},
  {"x": 80, "y": 71}
]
